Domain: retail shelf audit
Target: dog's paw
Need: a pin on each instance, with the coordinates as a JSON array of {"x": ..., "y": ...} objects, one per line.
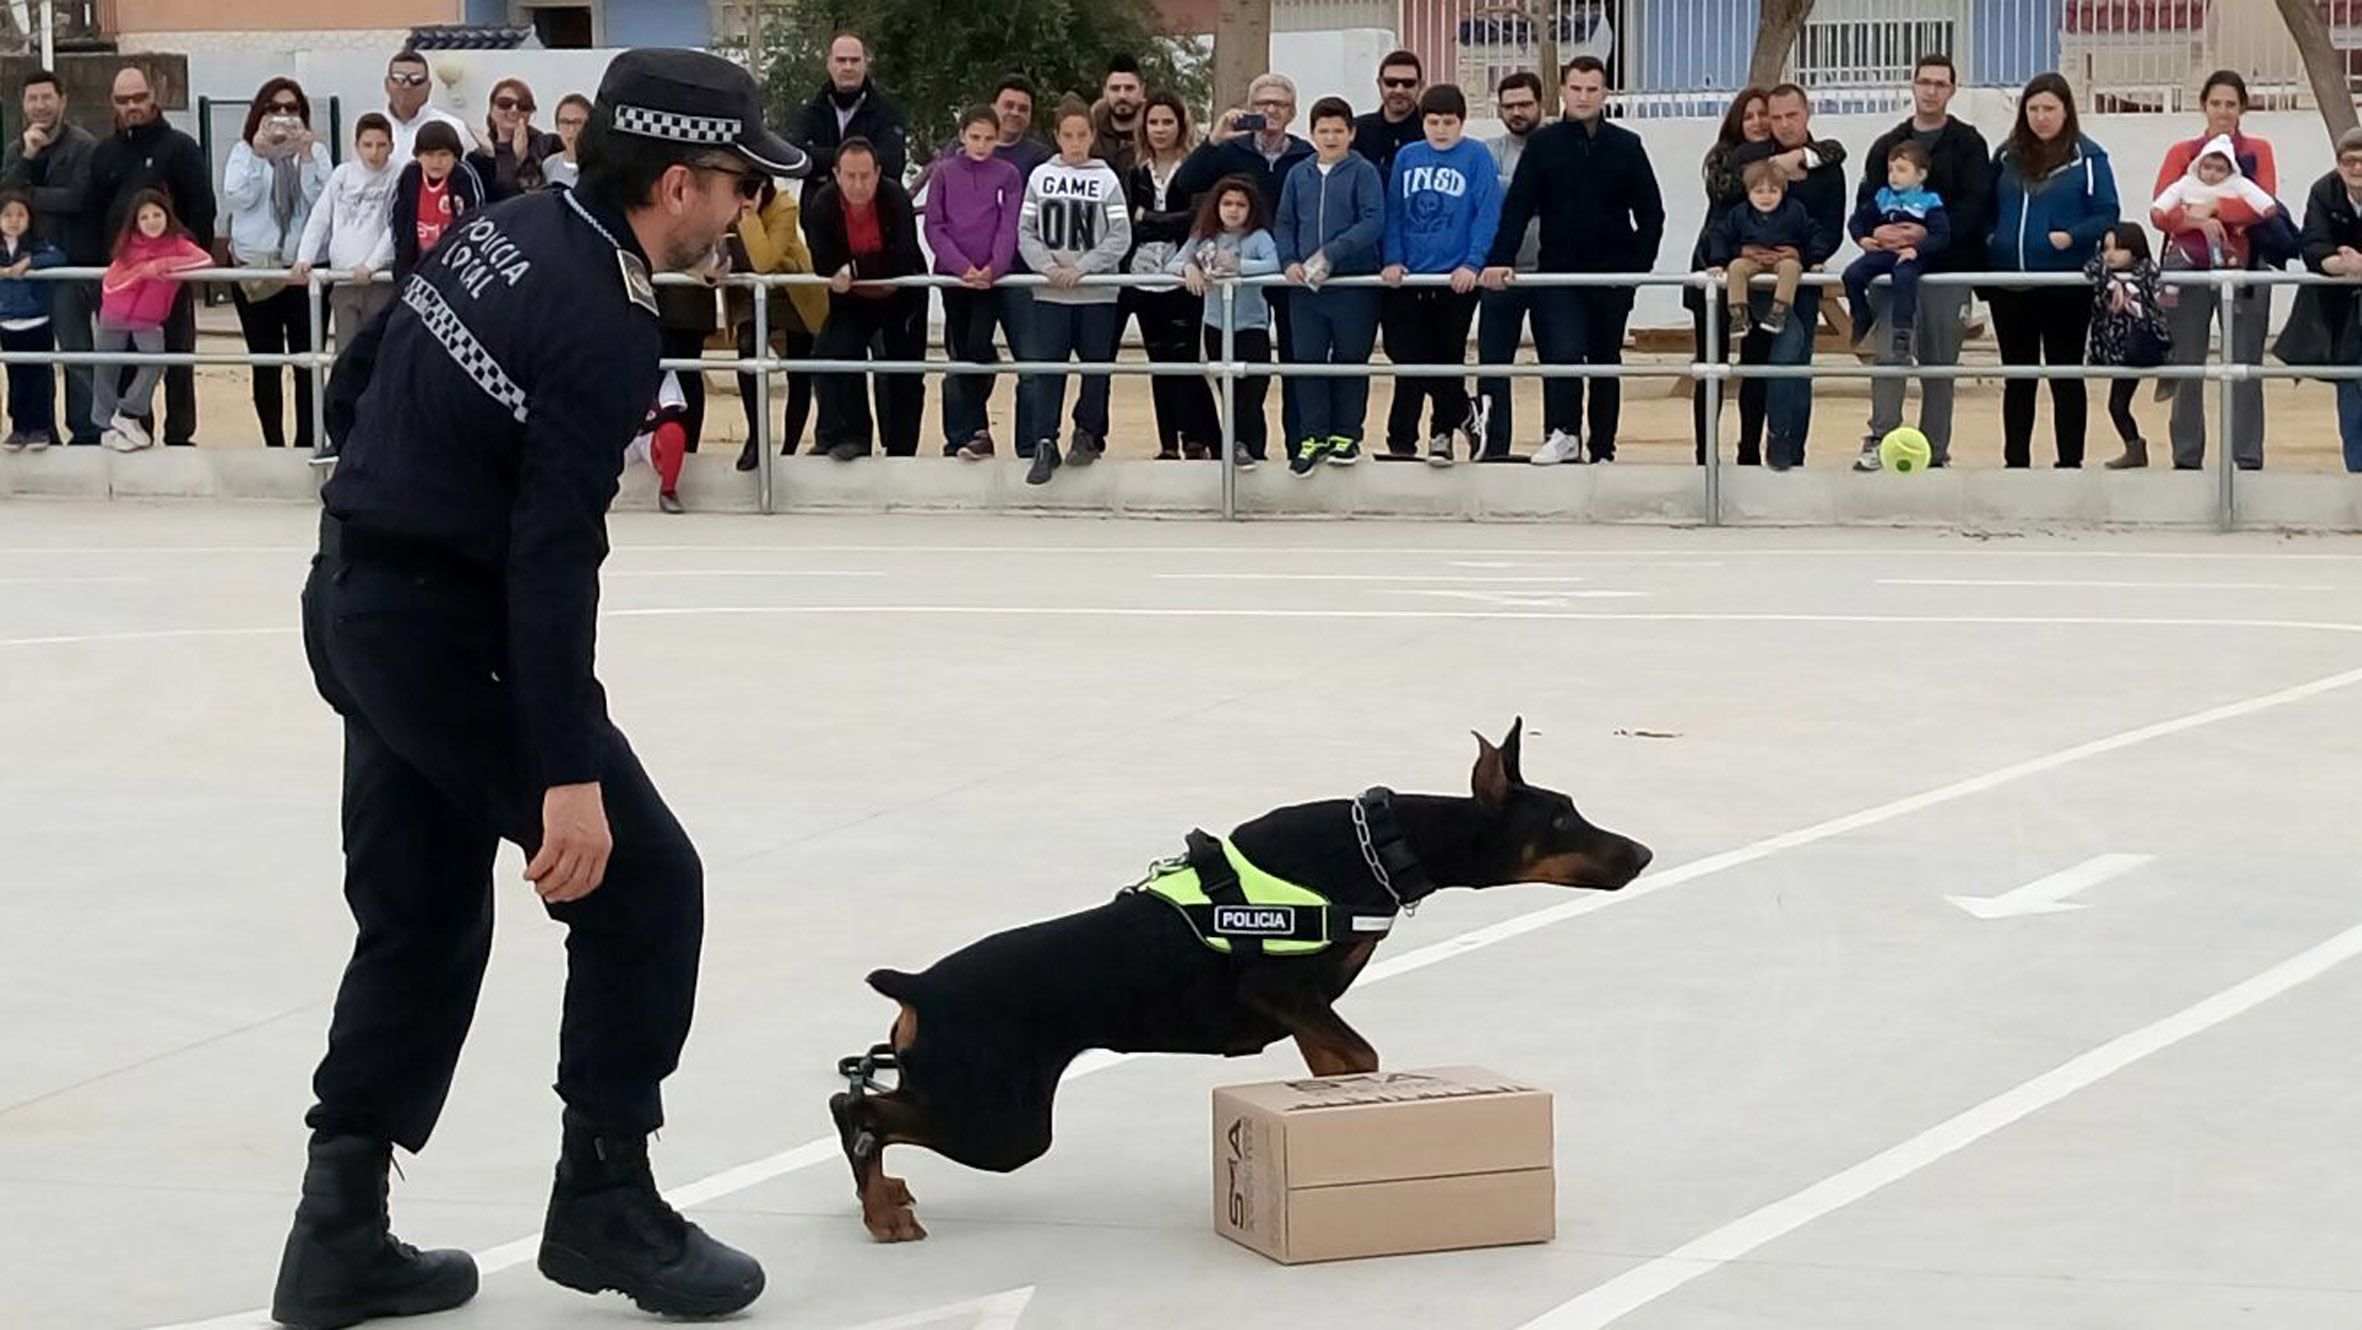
[
  {"x": 894, "y": 1191},
  {"x": 899, "y": 1223}
]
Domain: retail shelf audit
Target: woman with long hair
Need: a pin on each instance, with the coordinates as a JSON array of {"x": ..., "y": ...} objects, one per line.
[
  {"x": 2054, "y": 196},
  {"x": 1186, "y": 423},
  {"x": 1747, "y": 121},
  {"x": 276, "y": 173},
  {"x": 510, "y": 151},
  {"x": 2191, "y": 313}
]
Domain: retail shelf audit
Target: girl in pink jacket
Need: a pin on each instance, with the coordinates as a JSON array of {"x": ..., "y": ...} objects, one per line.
[{"x": 134, "y": 301}]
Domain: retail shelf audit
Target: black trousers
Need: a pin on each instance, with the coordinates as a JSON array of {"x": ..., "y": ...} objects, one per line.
[
  {"x": 1185, "y": 410},
  {"x": 280, "y": 323},
  {"x": 409, "y": 649},
  {"x": 2049, "y": 325},
  {"x": 1755, "y": 350},
  {"x": 793, "y": 343},
  {"x": 893, "y": 328},
  {"x": 1253, "y": 347},
  {"x": 1426, "y": 325}
]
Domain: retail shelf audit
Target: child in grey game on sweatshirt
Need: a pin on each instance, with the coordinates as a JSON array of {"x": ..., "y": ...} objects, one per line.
[{"x": 1076, "y": 222}]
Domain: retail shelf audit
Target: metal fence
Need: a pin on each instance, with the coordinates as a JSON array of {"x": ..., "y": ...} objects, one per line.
[
  {"x": 1686, "y": 57},
  {"x": 1711, "y": 370}
]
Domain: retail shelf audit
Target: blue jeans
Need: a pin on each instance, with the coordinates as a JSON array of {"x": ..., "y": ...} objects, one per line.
[
  {"x": 1332, "y": 327},
  {"x": 1584, "y": 326},
  {"x": 1903, "y": 298},
  {"x": 1015, "y": 306},
  {"x": 1788, "y": 403},
  {"x": 1086, "y": 332},
  {"x": 2349, "y": 421},
  {"x": 1500, "y": 318}
]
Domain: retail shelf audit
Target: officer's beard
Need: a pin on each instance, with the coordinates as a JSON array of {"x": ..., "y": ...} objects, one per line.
[{"x": 703, "y": 261}]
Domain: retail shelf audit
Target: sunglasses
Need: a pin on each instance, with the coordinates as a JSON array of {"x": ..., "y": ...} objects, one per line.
[
  {"x": 1401, "y": 83},
  {"x": 286, "y": 108},
  {"x": 407, "y": 80},
  {"x": 748, "y": 184},
  {"x": 511, "y": 104}
]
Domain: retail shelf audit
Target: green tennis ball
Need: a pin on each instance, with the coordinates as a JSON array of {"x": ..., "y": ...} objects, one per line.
[{"x": 1904, "y": 450}]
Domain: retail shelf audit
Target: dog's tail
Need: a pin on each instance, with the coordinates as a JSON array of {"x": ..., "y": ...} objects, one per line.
[{"x": 895, "y": 984}]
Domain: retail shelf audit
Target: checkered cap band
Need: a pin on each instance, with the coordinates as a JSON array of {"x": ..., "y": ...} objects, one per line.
[
  {"x": 463, "y": 348},
  {"x": 676, "y": 126}
]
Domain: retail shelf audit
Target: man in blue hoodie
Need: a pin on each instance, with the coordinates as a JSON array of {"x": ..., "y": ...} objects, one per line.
[
  {"x": 1443, "y": 205},
  {"x": 1331, "y": 222}
]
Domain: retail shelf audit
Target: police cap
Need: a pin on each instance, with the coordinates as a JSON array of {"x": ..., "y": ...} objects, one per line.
[{"x": 695, "y": 97}]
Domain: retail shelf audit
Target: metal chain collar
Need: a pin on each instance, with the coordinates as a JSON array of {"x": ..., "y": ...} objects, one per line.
[{"x": 1369, "y": 854}]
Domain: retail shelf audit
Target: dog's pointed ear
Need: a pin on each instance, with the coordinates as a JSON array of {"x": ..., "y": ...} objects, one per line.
[
  {"x": 1509, "y": 751},
  {"x": 1491, "y": 781}
]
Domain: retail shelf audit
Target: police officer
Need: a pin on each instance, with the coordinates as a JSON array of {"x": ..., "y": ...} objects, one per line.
[{"x": 450, "y": 619}]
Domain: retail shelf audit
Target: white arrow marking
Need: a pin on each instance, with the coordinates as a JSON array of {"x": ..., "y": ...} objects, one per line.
[
  {"x": 1519, "y": 600},
  {"x": 998, "y": 1312},
  {"x": 2049, "y": 895},
  {"x": 2109, "y": 586}
]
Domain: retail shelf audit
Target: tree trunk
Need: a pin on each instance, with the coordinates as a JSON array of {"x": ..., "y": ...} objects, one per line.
[
  {"x": 2325, "y": 65},
  {"x": 1782, "y": 21},
  {"x": 1242, "y": 49},
  {"x": 1543, "y": 16}
]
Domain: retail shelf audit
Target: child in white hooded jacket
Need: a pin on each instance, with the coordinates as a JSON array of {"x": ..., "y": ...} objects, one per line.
[{"x": 351, "y": 229}]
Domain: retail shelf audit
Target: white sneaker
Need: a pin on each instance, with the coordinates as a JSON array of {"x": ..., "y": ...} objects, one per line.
[
  {"x": 1480, "y": 419},
  {"x": 1561, "y": 447},
  {"x": 1439, "y": 450},
  {"x": 1869, "y": 460},
  {"x": 117, "y": 440},
  {"x": 131, "y": 432}
]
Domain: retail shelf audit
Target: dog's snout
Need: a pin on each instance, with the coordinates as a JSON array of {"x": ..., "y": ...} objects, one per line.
[{"x": 1642, "y": 857}]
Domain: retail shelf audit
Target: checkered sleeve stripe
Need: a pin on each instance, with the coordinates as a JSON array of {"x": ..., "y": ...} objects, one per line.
[
  {"x": 462, "y": 346},
  {"x": 676, "y": 126}
]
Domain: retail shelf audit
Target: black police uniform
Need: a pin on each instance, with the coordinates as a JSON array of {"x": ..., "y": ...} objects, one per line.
[{"x": 450, "y": 618}]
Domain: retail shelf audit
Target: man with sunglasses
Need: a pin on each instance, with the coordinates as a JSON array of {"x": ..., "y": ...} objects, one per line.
[
  {"x": 451, "y": 620},
  {"x": 407, "y": 87},
  {"x": 145, "y": 152},
  {"x": 1379, "y": 134}
]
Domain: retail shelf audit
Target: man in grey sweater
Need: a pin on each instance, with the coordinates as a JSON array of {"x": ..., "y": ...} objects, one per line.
[
  {"x": 51, "y": 162},
  {"x": 1501, "y": 315}
]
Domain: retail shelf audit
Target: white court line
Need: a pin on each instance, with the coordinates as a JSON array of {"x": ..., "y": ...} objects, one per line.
[
  {"x": 1646, "y": 1283},
  {"x": 495, "y": 1259},
  {"x": 1350, "y": 577},
  {"x": 2111, "y": 586},
  {"x": 742, "y": 572},
  {"x": 1086, "y": 611},
  {"x": 1591, "y": 555},
  {"x": 54, "y": 581}
]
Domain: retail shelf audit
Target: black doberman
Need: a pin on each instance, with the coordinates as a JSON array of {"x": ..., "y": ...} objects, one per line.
[{"x": 985, "y": 1033}]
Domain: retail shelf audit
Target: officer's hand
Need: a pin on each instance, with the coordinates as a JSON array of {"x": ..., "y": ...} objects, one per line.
[
  {"x": 574, "y": 844},
  {"x": 841, "y": 281}
]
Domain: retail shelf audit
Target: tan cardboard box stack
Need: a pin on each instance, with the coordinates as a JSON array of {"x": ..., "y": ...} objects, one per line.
[{"x": 1395, "y": 1161}]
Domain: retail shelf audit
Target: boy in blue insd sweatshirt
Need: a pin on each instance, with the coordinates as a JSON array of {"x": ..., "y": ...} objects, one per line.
[
  {"x": 1906, "y": 200},
  {"x": 1332, "y": 214},
  {"x": 1442, "y": 208}
]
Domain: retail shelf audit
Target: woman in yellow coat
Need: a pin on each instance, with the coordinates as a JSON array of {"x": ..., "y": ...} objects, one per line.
[{"x": 771, "y": 240}]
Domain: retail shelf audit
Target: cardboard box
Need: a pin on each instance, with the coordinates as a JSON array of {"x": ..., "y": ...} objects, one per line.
[{"x": 1326, "y": 1168}]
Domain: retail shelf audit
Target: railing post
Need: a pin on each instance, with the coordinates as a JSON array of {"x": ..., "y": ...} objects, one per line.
[
  {"x": 1229, "y": 399},
  {"x": 1710, "y": 388},
  {"x": 321, "y": 360},
  {"x": 760, "y": 435},
  {"x": 2227, "y": 292}
]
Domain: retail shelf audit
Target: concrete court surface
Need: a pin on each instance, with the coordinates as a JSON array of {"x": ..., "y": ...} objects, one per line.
[{"x": 1796, "y": 1085}]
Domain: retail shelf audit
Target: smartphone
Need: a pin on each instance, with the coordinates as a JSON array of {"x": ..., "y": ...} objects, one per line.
[{"x": 1253, "y": 122}]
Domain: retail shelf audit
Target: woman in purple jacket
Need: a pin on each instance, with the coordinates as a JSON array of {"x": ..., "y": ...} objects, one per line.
[{"x": 973, "y": 198}]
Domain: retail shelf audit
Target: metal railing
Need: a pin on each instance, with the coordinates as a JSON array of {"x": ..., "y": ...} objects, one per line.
[{"x": 1711, "y": 371}]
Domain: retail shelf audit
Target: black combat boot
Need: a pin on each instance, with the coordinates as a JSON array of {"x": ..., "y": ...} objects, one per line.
[
  {"x": 609, "y": 1229},
  {"x": 343, "y": 1265}
]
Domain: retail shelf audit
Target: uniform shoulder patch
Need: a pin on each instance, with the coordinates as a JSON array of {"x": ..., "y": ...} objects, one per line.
[{"x": 636, "y": 283}]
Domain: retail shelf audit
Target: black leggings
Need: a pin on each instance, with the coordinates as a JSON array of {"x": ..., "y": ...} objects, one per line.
[
  {"x": 2047, "y": 325},
  {"x": 279, "y": 323},
  {"x": 1756, "y": 350},
  {"x": 2120, "y": 395}
]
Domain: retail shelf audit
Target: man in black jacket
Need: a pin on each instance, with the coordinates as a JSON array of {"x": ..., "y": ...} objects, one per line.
[
  {"x": 862, "y": 228},
  {"x": 52, "y": 163},
  {"x": 146, "y": 153},
  {"x": 1591, "y": 184},
  {"x": 1961, "y": 175},
  {"x": 1816, "y": 176},
  {"x": 1379, "y": 134},
  {"x": 850, "y": 106}
]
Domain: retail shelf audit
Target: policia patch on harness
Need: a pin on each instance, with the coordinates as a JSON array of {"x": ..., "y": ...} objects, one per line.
[{"x": 1236, "y": 908}]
